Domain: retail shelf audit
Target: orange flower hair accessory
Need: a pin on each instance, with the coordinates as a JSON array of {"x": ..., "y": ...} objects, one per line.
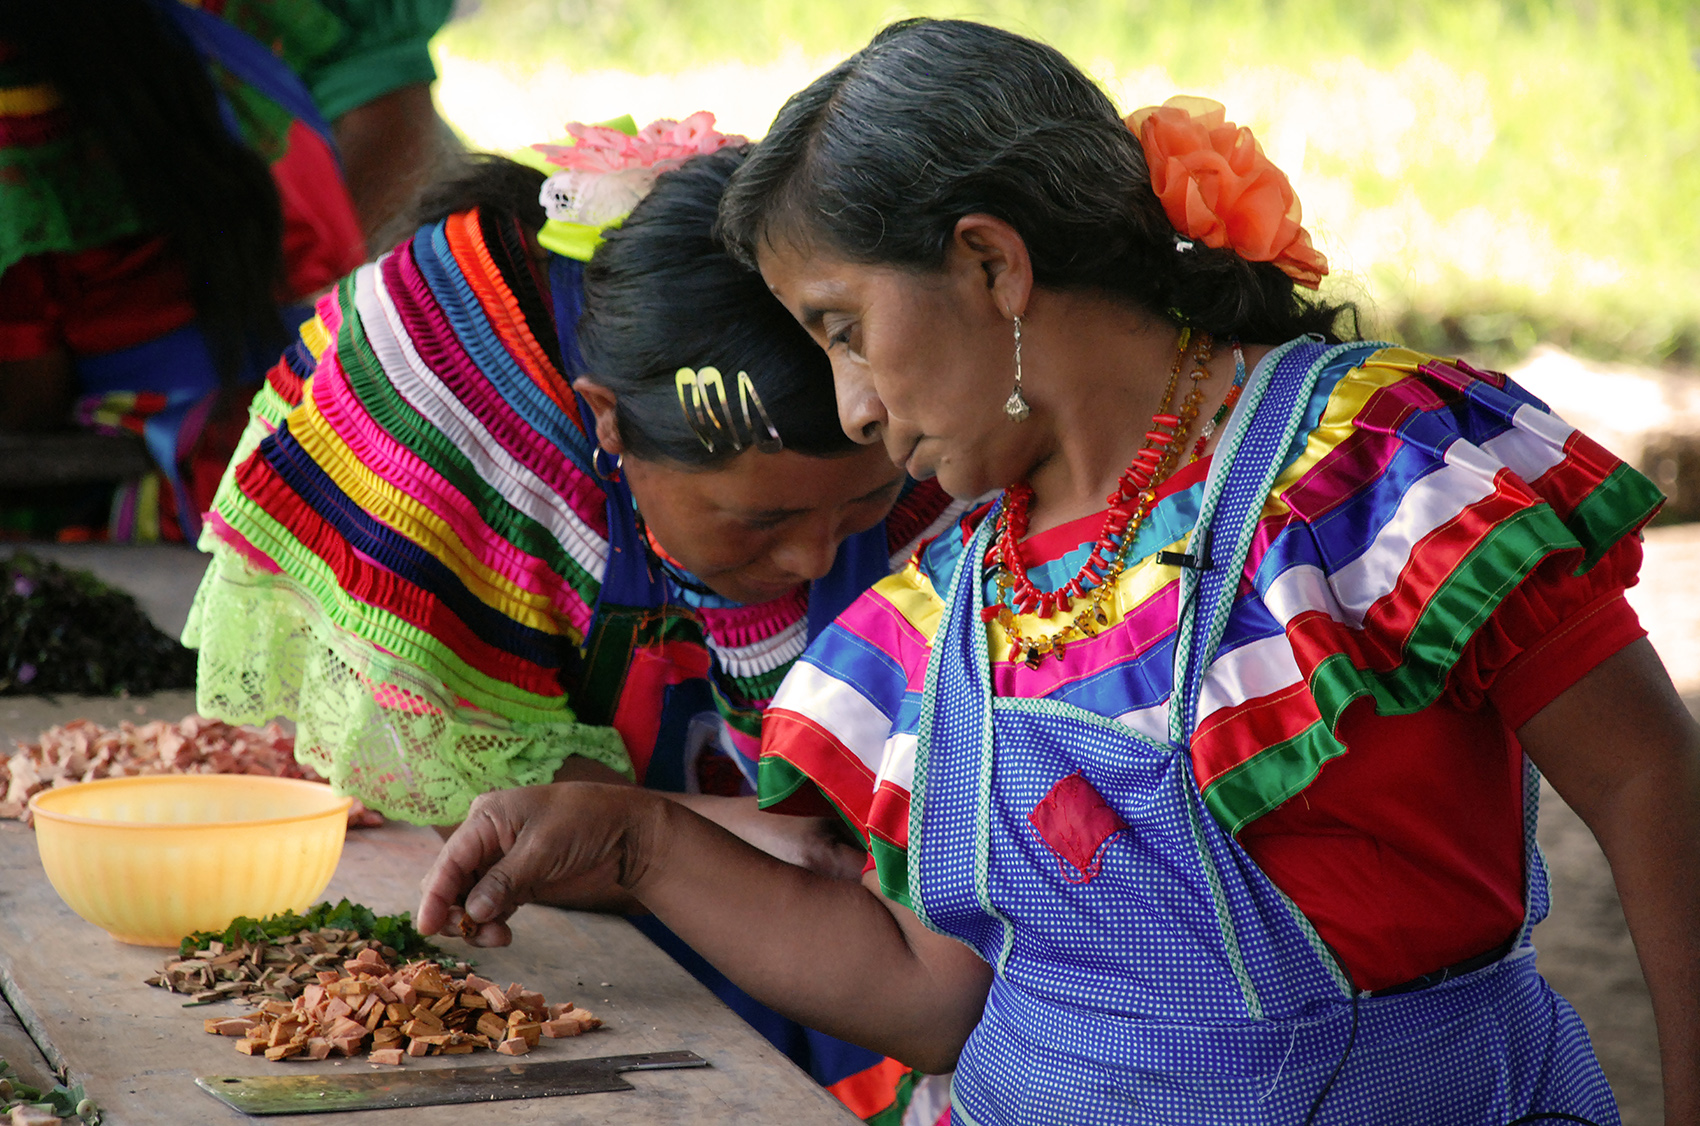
[{"x": 1217, "y": 187}]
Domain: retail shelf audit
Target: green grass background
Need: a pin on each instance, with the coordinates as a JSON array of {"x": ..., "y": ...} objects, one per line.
[{"x": 1485, "y": 175}]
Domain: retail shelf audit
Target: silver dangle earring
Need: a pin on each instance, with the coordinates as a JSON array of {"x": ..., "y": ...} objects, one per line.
[{"x": 1016, "y": 405}]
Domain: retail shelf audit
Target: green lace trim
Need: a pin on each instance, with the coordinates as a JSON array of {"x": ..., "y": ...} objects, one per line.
[{"x": 377, "y": 727}]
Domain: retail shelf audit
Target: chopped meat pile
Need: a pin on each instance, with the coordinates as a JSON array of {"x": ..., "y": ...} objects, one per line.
[
  {"x": 82, "y": 750},
  {"x": 417, "y": 1010}
]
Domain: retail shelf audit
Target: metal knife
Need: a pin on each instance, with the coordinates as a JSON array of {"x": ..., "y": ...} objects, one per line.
[{"x": 318, "y": 1092}]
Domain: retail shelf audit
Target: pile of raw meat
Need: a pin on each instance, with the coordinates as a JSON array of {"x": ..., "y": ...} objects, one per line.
[
  {"x": 417, "y": 1010},
  {"x": 82, "y": 750}
]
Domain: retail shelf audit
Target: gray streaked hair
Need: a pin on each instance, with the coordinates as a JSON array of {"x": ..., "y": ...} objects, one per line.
[{"x": 877, "y": 159}]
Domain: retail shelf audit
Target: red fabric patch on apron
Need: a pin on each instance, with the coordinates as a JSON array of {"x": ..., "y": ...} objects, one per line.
[{"x": 1075, "y": 822}]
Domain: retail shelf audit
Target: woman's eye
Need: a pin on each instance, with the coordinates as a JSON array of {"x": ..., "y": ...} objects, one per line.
[{"x": 841, "y": 336}]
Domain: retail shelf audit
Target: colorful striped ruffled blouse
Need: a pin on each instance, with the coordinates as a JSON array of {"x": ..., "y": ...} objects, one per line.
[
  {"x": 409, "y": 545},
  {"x": 1432, "y": 527}
]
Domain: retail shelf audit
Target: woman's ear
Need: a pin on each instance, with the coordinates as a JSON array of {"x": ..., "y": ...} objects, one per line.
[
  {"x": 997, "y": 252},
  {"x": 601, "y": 403}
]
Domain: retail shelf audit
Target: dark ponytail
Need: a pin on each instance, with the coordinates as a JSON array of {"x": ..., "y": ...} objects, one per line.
[
  {"x": 504, "y": 193},
  {"x": 662, "y": 294},
  {"x": 936, "y": 119},
  {"x": 133, "y": 85},
  {"x": 491, "y": 183}
]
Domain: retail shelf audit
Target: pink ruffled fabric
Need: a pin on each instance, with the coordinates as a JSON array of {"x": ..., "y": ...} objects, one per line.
[{"x": 663, "y": 143}]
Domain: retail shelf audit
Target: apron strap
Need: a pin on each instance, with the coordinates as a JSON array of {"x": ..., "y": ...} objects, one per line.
[
  {"x": 958, "y": 677},
  {"x": 1252, "y": 452}
]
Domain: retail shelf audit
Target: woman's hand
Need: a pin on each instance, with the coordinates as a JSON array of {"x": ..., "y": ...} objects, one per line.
[
  {"x": 562, "y": 843},
  {"x": 833, "y": 954}
]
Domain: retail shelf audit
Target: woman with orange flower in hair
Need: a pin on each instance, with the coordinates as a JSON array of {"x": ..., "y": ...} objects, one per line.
[{"x": 1198, "y": 771}]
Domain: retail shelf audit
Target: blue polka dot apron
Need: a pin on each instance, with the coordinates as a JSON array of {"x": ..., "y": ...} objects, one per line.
[{"x": 1146, "y": 970}]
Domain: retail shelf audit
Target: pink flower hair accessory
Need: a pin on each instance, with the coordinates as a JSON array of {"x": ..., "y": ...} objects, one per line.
[
  {"x": 1217, "y": 187},
  {"x": 607, "y": 171}
]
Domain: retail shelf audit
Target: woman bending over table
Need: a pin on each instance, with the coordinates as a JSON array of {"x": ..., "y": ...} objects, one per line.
[{"x": 1198, "y": 772}]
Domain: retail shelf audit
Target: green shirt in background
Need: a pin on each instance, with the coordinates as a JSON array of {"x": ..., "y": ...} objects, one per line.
[
  {"x": 348, "y": 52},
  {"x": 385, "y": 47}
]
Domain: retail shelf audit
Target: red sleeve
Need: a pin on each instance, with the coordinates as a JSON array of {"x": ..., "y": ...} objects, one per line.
[
  {"x": 321, "y": 233},
  {"x": 1546, "y": 671},
  {"x": 126, "y": 292},
  {"x": 805, "y": 802},
  {"x": 1554, "y": 629}
]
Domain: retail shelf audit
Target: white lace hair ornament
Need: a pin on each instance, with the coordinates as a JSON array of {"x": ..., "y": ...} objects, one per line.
[{"x": 607, "y": 171}]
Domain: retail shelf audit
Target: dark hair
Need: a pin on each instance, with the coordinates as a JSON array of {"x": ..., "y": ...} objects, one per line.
[
  {"x": 504, "y": 192},
  {"x": 486, "y": 181},
  {"x": 937, "y": 119},
  {"x": 662, "y": 294},
  {"x": 136, "y": 88}
]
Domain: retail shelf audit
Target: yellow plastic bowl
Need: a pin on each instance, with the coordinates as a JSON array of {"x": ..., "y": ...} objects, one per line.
[{"x": 150, "y": 859}]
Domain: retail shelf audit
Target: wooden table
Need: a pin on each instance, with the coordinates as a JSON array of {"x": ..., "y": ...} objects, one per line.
[{"x": 80, "y": 996}]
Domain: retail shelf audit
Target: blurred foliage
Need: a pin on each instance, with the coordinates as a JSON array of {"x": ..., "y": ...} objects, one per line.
[
  {"x": 1564, "y": 132},
  {"x": 660, "y": 35},
  {"x": 63, "y": 630}
]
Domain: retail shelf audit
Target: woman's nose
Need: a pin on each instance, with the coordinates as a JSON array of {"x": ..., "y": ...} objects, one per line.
[
  {"x": 860, "y": 411},
  {"x": 810, "y": 552}
]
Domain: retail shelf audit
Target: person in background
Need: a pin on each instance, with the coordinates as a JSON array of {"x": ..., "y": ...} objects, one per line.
[
  {"x": 179, "y": 182},
  {"x": 1199, "y": 770},
  {"x": 505, "y": 515}
]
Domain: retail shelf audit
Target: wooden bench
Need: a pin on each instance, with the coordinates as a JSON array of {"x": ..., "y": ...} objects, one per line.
[{"x": 33, "y": 461}]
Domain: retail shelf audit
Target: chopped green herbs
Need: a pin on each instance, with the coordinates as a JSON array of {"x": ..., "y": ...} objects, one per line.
[
  {"x": 60, "y": 1101},
  {"x": 394, "y": 931}
]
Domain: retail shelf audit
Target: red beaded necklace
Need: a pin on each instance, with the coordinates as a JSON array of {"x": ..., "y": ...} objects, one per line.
[{"x": 1129, "y": 505}]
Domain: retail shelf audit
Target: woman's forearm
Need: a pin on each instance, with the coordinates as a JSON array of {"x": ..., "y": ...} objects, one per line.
[
  {"x": 1622, "y": 750},
  {"x": 392, "y": 147},
  {"x": 1648, "y": 832},
  {"x": 832, "y": 954},
  {"x": 808, "y": 842}
]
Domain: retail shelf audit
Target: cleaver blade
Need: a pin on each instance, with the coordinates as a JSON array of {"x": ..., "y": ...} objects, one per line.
[{"x": 321, "y": 1093}]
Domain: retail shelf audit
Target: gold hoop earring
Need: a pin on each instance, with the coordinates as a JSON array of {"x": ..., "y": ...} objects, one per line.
[
  {"x": 1016, "y": 405},
  {"x": 596, "y": 457}
]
